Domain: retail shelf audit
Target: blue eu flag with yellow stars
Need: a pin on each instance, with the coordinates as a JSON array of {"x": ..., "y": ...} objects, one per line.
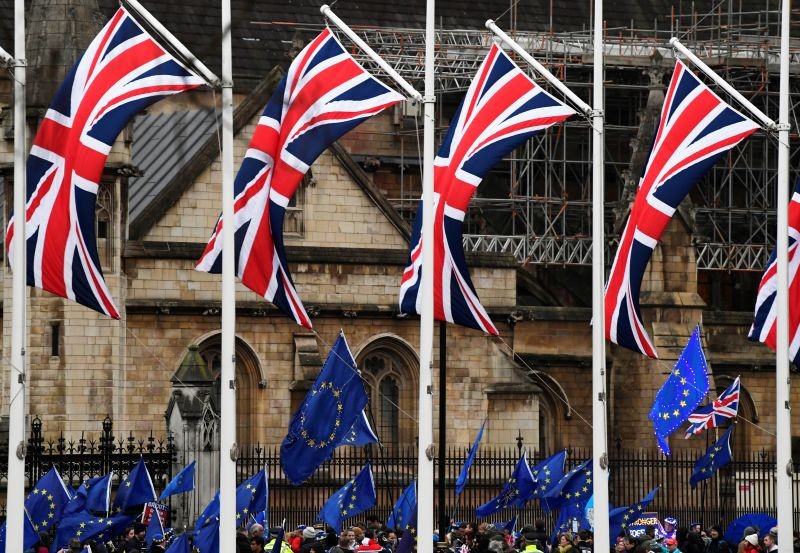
[
  {"x": 461, "y": 481},
  {"x": 85, "y": 526},
  {"x": 329, "y": 410},
  {"x": 403, "y": 509},
  {"x": 547, "y": 473},
  {"x": 29, "y": 537},
  {"x": 360, "y": 434},
  {"x": 718, "y": 455},
  {"x": 135, "y": 490},
  {"x": 573, "y": 490},
  {"x": 47, "y": 500},
  {"x": 515, "y": 492},
  {"x": 352, "y": 499},
  {"x": 94, "y": 495},
  {"x": 683, "y": 391},
  {"x": 251, "y": 497},
  {"x": 408, "y": 542},
  {"x": 183, "y": 482},
  {"x": 620, "y": 519}
]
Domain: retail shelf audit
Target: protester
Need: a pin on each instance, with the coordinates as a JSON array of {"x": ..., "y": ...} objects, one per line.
[
  {"x": 771, "y": 541},
  {"x": 672, "y": 545},
  {"x": 751, "y": 544},
  {"x": 717, "y": 544}
]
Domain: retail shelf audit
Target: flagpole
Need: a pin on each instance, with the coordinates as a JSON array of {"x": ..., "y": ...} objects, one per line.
[
  {"x": 599, "y": 431},
  {"x": 227, "y": 423},
  {"x": 15, "y": 494},
  {"x": 783, "y": 432},
  {"x": 425, "y": 514}
]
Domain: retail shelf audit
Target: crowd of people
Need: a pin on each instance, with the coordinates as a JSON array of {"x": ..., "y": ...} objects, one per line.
[{"x": 374, "y": 536}]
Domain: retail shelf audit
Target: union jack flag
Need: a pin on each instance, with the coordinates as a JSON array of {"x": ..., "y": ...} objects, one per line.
[
  {"x": 502, "y": 109},
  {"x": 696, "y": 128},
  {"x": 122, "y": 72},
  {"x": 764, "y": 327},
  {"x": 725, "y": 407},
  {"x": 324, "y": 94}
]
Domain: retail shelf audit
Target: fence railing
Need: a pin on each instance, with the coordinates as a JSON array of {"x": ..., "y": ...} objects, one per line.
[{"x": 745, "y": 485}]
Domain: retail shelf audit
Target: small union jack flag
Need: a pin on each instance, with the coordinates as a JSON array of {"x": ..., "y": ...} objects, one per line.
[
  {"x": 764, "y": 327},
  {"x": 696, "y": 128},
  {"x": 501, "y": 110},
  {"x": 725, "y": 407},
  {"x": 324, "y": 94},
  {"x": 122, "y": 72}
]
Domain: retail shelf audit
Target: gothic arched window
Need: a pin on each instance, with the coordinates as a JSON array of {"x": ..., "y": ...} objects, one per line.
[
  {"x": 389, "y": 368},
  {"x": 103, "y": 213}
]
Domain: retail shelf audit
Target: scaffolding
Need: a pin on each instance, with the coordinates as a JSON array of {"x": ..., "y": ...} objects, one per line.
[{"x": 537, "y": 203}]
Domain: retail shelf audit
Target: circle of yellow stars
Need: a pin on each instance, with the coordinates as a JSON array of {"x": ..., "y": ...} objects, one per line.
[
  {"x": 348, "y": 504},
  {"x": 325, "y": 441}
]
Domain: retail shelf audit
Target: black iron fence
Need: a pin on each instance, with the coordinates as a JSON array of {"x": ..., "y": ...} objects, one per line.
[{"x": 744, "y": 486}]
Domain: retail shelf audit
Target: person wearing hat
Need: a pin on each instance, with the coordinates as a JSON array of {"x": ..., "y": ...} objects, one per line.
[
  {"x": 671, "y": 543},
  {"x": 158, "y": 545},
  {"x": 718, "y": 544},
  {"x": 137, "y": 544},
  {"x": 751, "y": 544},
  {"x": 531, "y": 543},
  {"x": 273, "y": 535},
  {"x": 669, "y": 527},
  {"x": 309, "y": 539},
  {"x": 771, "y": 540}
]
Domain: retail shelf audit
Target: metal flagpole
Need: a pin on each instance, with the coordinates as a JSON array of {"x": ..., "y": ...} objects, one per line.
[
  {"x": 599, "y": 430},
  {"x": 783, "y": 431},
  {"x": 227, "y": 422},
  {"x": 15, "y": 495},
  {"x": 425, "y": 516}
]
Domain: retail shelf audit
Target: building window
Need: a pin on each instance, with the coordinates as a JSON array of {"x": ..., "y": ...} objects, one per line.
[
  {"x": 388, "y": 368},
  {"x": 55, "y": 339},
  {"x": 104, "y": 209}
]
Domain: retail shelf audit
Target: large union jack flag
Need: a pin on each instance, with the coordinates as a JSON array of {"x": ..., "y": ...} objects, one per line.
[
  {"x": 324, "y": 94},
  {"x": 695, "y": 129},
  {"x": 725, "y": 407},
  {"x": 764, "y": 327},
  {"x": 123, "y": 71},
  {"x": 502, "y": 109}
]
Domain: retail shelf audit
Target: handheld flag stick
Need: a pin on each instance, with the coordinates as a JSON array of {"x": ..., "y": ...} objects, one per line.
[
  {"x": 723, "y": 84},
  {"x": 404, "y": 84},
  {"x": 196, "y": 64},
  {"x": 542, "y": 70},
  {"x": 15, "y": 495},
  {"x": 783, "y": 420}
]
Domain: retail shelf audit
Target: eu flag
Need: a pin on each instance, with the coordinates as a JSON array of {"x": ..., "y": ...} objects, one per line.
[
  {"x": 180, "y": 544},
  {"x": 47, "y": 500},
  {"x": 403, "y": 509},
  {"x": 360, "y": 434},
  {"x": 183, "y": 482},
  {"x": 29, "y": 537},
  {"x": 573, "y": 489},
  {"x": 251, "y": 496},
  {"x": 408, "y": 542},
  {"x": 208, "y": 515},
  {"x": 547, "y": 473},
  {"x": 155, "y": 530},
  {"x": 85, "y": 526},
  {"x": 620, "y": 519},
  {"x": 683, "y": 391},
  {"x": 352, "y": 499},
  {"x": 94, "y": 495},
  {"x": 206, "y": 540},
  {"x": 136, "y": 490},
  {"x": 461, "y": 482},
  {"x": 515, "y": 492},
  {"x": 332, "y": 405},
  {"x": 718, "y": 455}
]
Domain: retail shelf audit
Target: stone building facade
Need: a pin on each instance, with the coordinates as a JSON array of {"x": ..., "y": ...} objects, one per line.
[{"x": 347, "y": 247}]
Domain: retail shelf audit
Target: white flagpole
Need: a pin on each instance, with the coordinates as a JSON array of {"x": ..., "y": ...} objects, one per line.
[
  {"x": 15, "y": 495},
  {"x": 227, "y": 422},
  {"x": 783, "y": 430},
  {"x": 599, "y": 430},
  {"x": 425, "y": 514}
]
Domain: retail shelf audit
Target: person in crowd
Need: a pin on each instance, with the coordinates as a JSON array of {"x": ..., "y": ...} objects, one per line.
[
  {"x": 671, "y": 544},
  {"x": 295, "y": 538},
  {"x": 771, "y": 541},
  {"x": 342, "y": 547},
  {"x": 358, "y": 533},
  {"x": 628, "y": 544},
  {"x": 369, "y": 543},
  {"x": 391, "y": 540},
  {"x": 670, "y": 524},
  {"x": 565, "y": 543},
  {"x": 273, "y": 535},
  {"x": 256, "y": 544},
  {"x": 693, "y": 542},
  {"x": 159, "y": 545},
  {"x": 530, "y": 543},
  {"x": 256, "y": 530},
  {"x": 242, "y": 540},
  {"x": 751, "y": 544},
  {"x": 744, "y": 543},
  {"x": 717, "y": 543},
  {"x": 309, "y": 539},
  {"x": 584, "y": 542},
  {"x": 136, "y": 544}
]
